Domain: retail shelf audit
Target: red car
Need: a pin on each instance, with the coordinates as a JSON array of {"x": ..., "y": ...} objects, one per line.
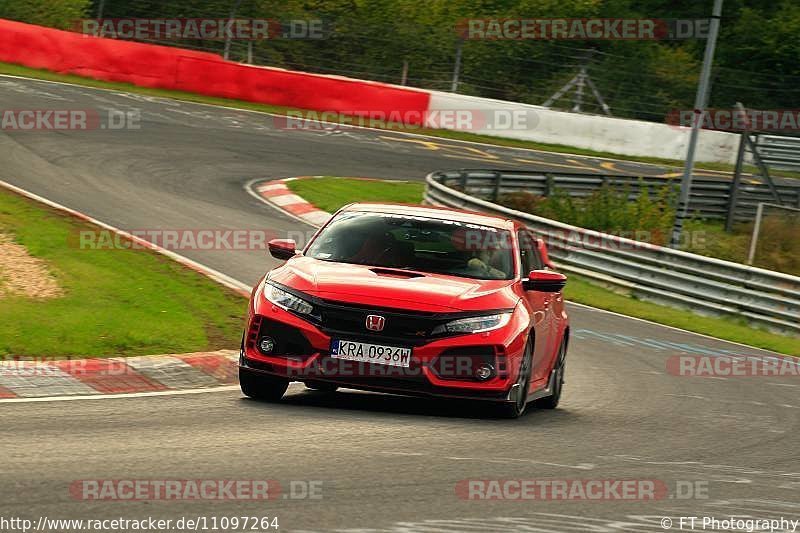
[{"x": 411, "y": 300}]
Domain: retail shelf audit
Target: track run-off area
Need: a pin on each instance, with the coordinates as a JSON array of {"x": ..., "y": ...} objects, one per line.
[{"x": 720, "y": 446}]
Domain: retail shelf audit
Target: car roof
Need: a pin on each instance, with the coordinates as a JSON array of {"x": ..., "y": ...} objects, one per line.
[{"x": 430, "y": 211}]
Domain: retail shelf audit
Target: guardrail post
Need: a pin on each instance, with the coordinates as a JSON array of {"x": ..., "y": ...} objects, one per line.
[
  {"x": 498, "y": 181},
  {"x": 737, "y": 177},
  {"x": 763, "y": 168},
  {"x": 548, "y": 184},
  {"x": 462, "y": 180},
  {"x": 756, "y": 228}
]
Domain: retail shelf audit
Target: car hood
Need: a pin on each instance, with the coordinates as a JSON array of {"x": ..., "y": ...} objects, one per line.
[{"x": 419, "y": 291}]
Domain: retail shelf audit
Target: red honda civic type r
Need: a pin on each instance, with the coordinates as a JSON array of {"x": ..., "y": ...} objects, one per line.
[{"x": 411, "y": 300}]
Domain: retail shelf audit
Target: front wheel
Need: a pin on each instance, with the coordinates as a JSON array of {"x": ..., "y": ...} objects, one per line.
[
  {"x": 517, "y": 408},
  {"x": 262, "y": 386},
  {"x": 551, "y": 402}
]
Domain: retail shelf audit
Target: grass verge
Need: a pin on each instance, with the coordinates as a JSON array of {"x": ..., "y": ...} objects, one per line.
[
  {"x": 18, "y": 70},
  {"x": 581, "y": 290},
  {"x": 778, "y": 247},
  {"x": 116, "y": 302},
  {"x": 331, "y": 193}
]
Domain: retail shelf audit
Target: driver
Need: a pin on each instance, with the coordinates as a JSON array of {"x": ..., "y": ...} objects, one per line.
[{"x": 483, "y": 261}]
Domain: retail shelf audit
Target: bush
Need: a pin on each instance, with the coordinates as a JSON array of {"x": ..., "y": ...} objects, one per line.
[
  {"x": 609, "y": 209},
  {"x": 55, "y": 13},
  {"x": 778, "y": 246},
  {"x": 521, "y": 201}
]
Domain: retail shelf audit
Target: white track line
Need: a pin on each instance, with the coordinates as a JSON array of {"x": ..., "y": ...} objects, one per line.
[
  {"x": 224, "y": 388},
  {"x": 670, "y": 327},
  {"x": 122, "y": 396}
]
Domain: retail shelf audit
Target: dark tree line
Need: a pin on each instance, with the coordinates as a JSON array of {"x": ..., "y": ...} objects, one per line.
[{"x": 757, "y": 60}]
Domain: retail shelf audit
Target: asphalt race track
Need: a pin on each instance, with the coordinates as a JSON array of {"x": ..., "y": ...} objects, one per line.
[{"x": 385, "y": 463}]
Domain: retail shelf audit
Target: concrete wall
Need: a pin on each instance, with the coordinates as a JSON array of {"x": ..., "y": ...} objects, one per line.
[{"x": 594, "y": 132}]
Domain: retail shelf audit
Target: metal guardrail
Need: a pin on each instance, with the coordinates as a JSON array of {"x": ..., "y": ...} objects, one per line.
[
  {"x": 709, "y": 199},
  {"x": 779, "y": 152},
  {"x": 705, "y": 285}
]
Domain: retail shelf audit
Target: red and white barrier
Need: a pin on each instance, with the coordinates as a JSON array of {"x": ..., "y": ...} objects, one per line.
[{"x": 205, "y": 73}]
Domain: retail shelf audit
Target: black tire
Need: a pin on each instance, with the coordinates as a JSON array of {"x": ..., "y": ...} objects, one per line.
[
  {"x": 262, "y": 386},
  {"x": 321, "y": 386},
  {"x": 516, "y": 409},
  {"x": 551, "y": 402}
]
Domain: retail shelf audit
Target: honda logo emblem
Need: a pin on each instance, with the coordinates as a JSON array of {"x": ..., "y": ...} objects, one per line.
[{"x": 375, "y": 322}]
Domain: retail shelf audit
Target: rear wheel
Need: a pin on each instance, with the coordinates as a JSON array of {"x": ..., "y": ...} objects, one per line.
[
  {"x": 321, "y": 386},
  {"x": 551, "y": 402},
  {"x": 262, "y": 386},
  {"x": 517, "y": 408}
]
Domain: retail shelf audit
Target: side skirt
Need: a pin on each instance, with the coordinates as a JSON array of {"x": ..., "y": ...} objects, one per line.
[{"x": 537, "y": 394}]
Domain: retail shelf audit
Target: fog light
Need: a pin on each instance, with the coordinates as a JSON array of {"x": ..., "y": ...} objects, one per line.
[
  {"x": 266, "y": 345},
  {"x": 484, "y": 371}
]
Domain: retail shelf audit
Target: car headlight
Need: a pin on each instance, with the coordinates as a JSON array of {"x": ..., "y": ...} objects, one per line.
[
  {"x": 476, "y": 324},
  {"x": 286, "y": 300}
]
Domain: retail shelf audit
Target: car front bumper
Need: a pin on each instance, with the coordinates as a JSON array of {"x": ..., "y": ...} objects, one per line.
[{"x": 303, "y": 354}]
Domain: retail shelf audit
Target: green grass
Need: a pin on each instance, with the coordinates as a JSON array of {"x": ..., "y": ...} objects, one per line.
[
  {"x": 18, "y": 70},
  {"x": 116, "y": 302},
  {"x": 777, "y": 249},
  {"x": 330, "y": 193},
  {"x": 581, "y": 290}
]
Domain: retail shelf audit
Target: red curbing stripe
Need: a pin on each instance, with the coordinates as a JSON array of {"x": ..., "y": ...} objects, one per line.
[
  {"x": 275, "y": 192},
  {"x": 218, "y": 366},
  {"x": 300, "y": 209},
  {"x": 108, "y": 376},
  {"x": 5, "y": 393}
]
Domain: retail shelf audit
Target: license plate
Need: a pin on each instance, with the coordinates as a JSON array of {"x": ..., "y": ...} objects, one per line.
[{"x": 370, "y": 353}]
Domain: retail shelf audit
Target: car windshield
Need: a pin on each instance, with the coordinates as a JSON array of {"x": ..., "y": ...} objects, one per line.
[{"x": 416, "y": 243}]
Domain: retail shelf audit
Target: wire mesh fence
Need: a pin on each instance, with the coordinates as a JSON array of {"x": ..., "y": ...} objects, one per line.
[{"x": 416, "y": 43}]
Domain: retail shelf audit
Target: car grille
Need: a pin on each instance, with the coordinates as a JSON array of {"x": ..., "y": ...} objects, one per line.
[{"x": 407, "y": 327}]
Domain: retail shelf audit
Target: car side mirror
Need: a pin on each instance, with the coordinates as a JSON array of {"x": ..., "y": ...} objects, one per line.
[
  {"x": 544, "y": 281},
  {"x": 282, "y": 248},
  {"x": 542, "y": 247}
]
